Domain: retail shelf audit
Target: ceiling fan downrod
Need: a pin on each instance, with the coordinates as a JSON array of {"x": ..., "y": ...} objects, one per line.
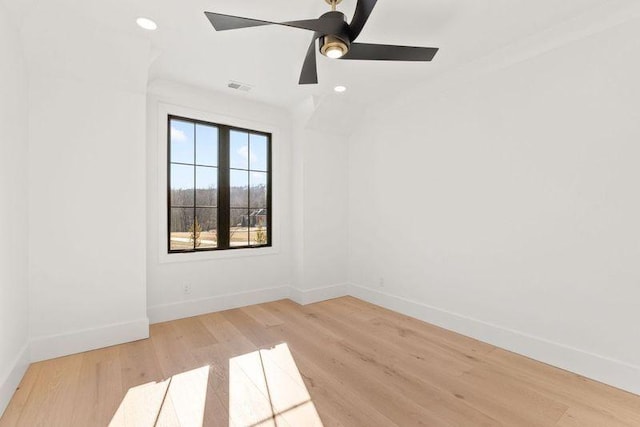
[{"x": 334, "y": 4}]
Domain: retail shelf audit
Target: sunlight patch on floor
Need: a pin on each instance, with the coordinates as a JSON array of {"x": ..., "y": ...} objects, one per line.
[
  {"x": 177, "y": 401},
  {"x": 266, "y": 389}
]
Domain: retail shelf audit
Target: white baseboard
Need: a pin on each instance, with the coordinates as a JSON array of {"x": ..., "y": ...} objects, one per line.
[
  {"x": 310, "y": 296},
  {"x": 49, "y": 347},
  {"x": 190, "y": 308},
  {"x": 600, "y": 368},
  {"x": 12, "y": 376}
]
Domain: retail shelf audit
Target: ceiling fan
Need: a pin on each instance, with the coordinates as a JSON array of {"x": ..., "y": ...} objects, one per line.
[{"x": 337, "y": 38}]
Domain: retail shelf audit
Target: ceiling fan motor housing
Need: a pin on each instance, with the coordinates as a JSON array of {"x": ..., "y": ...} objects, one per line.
[{"x": 340, "y": 37}]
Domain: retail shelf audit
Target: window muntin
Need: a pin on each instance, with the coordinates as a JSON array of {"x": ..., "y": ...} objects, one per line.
[{"x": 219, "y": 187}]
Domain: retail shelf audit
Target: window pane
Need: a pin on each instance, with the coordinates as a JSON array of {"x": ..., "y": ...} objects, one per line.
[
  {"x": 258, "y": 189},
  {"x": 239, "y": 227},
  {"x": 195, "y": 193},
  {"x": 258, "y": 227},
  {"x": 258, "y": 152},
  {"x": 207, "y": 220},
  {"x": 239, "y": 150},
  {"x": 206, "y": 145},
  {"x": 181, "y": 229},
  {"x": 182, "y": 141},
  {"x": 181, "y": 185},
  {"x": 206, "y": 186},
  {"x": 239, "y": 191}
]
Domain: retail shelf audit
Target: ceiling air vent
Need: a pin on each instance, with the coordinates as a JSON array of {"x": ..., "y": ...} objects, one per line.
[{"x": 239, "y": 86}]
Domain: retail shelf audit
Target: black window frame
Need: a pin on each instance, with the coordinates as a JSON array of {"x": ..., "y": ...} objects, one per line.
[{"x": 224, "y": 170}]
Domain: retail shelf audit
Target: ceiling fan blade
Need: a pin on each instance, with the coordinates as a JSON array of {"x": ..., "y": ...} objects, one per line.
[
  {"x": 223, "y": 22},
  {"x": 360, "y": 17},
  {"x": 309, "y": 73},
  {"x": 384, "y": 52},
  {"x": 227, "y": 22}
]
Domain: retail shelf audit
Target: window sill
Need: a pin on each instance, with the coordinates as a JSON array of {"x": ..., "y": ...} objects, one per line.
[{"x": 166, "y": 258}]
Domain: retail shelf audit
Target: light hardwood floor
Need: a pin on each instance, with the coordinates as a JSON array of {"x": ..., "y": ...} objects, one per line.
[{"x": 342, "y": 362}]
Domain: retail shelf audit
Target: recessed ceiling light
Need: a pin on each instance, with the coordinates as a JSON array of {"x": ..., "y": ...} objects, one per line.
[
  {"x": 340, "y": 89},
  {"x": 147, "y": 24}
]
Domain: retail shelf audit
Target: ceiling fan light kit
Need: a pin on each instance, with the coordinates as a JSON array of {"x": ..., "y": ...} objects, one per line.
[
  {"x": 336, "y": 38},
  {"x": 333, "y": 47}
]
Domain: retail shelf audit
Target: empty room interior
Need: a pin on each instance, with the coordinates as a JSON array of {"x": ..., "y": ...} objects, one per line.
[{"x": 320, "y": 213}]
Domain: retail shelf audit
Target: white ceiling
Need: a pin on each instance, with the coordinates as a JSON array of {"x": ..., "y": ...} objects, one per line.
[{"x": 269, "y": 58}]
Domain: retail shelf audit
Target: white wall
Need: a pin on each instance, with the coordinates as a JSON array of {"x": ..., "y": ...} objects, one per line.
[
  {"x": 222, "y": 279},
  {"x": 505, "y": 205},
  {"x": 87, "y": 185},
  {"x": 320, "y": 182},
  {"x": 309, "y": 258},
  {"x": 13, "y": 211}
]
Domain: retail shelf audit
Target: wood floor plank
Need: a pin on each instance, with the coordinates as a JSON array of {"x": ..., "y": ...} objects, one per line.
[
  {"x": 393, "y": 387},
  {"x": 173, "y": 353},
  {"x": 342, "y": 362},
  {"x": 336, "y": 404},
  {"x": 413, "y": 344},
  {"x": 230, "y": 343},
  {"x": 328, "y": 387},
  {"x": 340, "y": 401},
  {"x": 99, "y": 387},
  {"x": 590, "y": 417},
  {"x": 541, "y": 410},
  {"x": 581, "y": 394},
  {"x": 408, "y": 327},
  {"x": 193, "y": 332},
  {"x": 139, "y": 364},
  {"x": 406, "y": 372},
  {"x": 186, "y": 398},
  {"x": 261, "y": 315},
  {"x": 54, "y": 392},
  {"x": 21, "y": 396},
  {"x": 141, "y": 405},
  {"x": 168, "y": 416},
  {"x": 227, "y": 334}
]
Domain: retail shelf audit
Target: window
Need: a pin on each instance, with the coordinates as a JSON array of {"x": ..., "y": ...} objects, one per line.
[{"x": 219, "y": 186}]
